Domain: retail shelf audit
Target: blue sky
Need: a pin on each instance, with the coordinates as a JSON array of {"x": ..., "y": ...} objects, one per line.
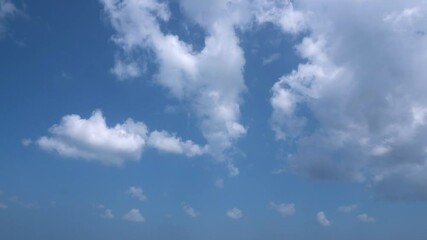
[{"x": 261, "y": 119}]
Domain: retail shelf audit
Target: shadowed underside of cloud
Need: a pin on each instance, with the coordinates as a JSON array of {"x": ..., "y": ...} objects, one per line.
[
  {"x": 91, "y": 139},
  {"x": 357, "y": 109}
]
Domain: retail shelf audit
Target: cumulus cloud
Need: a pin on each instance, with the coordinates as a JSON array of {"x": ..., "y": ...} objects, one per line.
[
  {"x": 136, "y": 192},
  {"x": 134, "y": 216},
  {"x": 365, "y": 218},
  {"x": 91, "y": 139},
  {"x": 355, "y": 109},
  {"x": 234, "y": 213},
  {"x": 166, "y": 142},
  {"x": 284, "y": 209},
  {"x": 210, "y": 80},
  {"x": 347, "y": 209},
  {"x": 190, "y": 211},
  {"x": 322, "y": 219},
  {"x": 107, "y": 214}
]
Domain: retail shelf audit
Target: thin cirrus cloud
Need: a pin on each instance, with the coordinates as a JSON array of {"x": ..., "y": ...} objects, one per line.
[
  {"x": 91, "y": 139},
  {"x": 367, "y": 112}
]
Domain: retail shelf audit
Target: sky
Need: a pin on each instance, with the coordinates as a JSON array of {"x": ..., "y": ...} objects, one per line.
[{"x": 215, "y": 119}]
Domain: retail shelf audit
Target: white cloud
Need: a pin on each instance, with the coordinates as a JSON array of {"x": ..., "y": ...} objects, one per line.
[
  {"x": 126, "y": 70},
  {"x": 166, "y": 142},
  {"x": 107, "y": 214},
  {"x": 284, "y": 209},
  {"x": 282, "y": 14},
  {"x": 134, "y": 216},
  {"x": 24, "y": 204},
  {"x": 3, "y": 206},
  {"x": 190, "y": 211},
  {"x": 7, "y": 10},
  {"x": 234, "y": 213},
  {"x": 322, "y": 219},
  {"x": 26, "y": 142},
  {"x": 360, "y": 96},
  {"x": 210, "y": 80},
  {"x": 271, "y": 58},
  {"x": 136, "y": 192},
  {"x": 365, "y": 218},
  {"x": 91, "y": 139},
  {"x": 347, "y": 209}
]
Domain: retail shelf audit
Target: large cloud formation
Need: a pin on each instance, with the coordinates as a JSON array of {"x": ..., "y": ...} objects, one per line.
[
  {"x": 356, "y": 109},
  {"x": 210, "y": 80}
]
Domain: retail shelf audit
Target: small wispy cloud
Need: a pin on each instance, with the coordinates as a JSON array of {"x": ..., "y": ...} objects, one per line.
[
  {"x": 365, "y": 218},
  {"x": 190, "y": 211},
  {"x": 348, "y": 208},
  {"x": 136, "y": 192},
  {"x": 322, "y": 219},
  {"x": 134, "y": 215},
  {"x": 234, "y": 213},
  {"x": 284, "y": 209}
]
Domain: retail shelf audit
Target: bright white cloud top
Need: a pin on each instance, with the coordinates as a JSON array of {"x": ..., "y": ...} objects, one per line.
[{"x": 91, "y": 139}]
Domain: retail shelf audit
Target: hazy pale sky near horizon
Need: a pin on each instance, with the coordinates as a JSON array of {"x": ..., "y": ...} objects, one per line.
[{"x": 216, "y": 119}]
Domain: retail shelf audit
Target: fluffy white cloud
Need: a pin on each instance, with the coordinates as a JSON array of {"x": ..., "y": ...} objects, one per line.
[
  {"x": 356, "y": 108},
  {"x": 190, "y": 211},
  {"x": 284, "y": 209},
  {"x": 91, "y": 139},
  {"x": 166, "y": 142},
  {"x": 211, "y": 80},
  {"x": 134, "y": 216},
  {"x": 322, "y": 219},
  {"x": 347, "y": 209},
  {"x": 234, "y": 213},
  {"x": 365, "y": 218},
  {"x": 7, "y": 10},
  {"x": 136, "y": 192},
  {"x": 107, "y": 214}
]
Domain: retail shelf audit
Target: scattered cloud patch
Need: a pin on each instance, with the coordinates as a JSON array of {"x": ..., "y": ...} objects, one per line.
[
  {"x": 322, "y": 219},
  {"x": 134, "y": 216},
  {"x": 365, "y": 218},
  {"x": 136, "y": 192},
  {"x": 234, "y": 213},
  {"x": 271, "y": 58},
  {"x": 347, "y": 209},
  {"x": 19, "y": 202},
  {"x": 190, "y": 211},
  {"x": 3, "y": 206},
  {"x": 107, "y": 214},
  {"x": 7, "y": 11},
  {"x": 284, "y": 209},
  {"x": 26, "y": 142}
]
